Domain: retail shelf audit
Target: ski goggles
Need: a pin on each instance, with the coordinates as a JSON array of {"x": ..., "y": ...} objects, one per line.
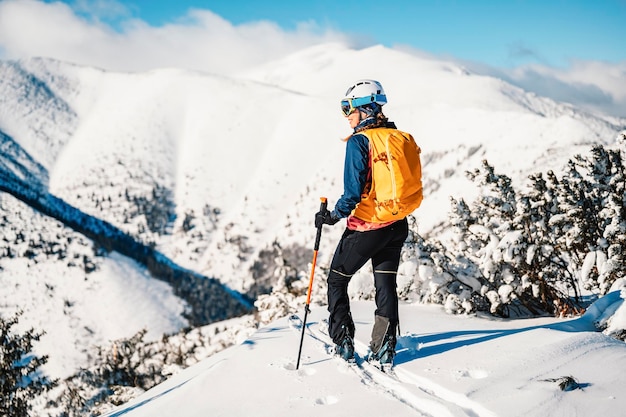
[{"x": 350, "y": 104}]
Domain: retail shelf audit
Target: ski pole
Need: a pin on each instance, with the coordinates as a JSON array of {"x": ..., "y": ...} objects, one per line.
[{"x": 308, "y": 296}]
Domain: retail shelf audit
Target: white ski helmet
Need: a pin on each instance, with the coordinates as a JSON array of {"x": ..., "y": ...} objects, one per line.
[{"x": 361, "y": 93}]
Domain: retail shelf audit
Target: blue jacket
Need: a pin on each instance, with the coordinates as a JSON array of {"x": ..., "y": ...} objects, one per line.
[{"x": 356, "y": 171}]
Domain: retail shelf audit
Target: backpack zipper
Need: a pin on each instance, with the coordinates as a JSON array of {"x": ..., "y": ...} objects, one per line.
[{"x": 391, "y": 170}]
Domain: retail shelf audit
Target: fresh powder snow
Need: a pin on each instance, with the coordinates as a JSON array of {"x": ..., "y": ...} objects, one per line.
[{"x": 446, "y": 366}]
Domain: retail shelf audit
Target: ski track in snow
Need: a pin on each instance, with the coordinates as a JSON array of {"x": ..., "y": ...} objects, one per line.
[{"x": 418, "y": 393}]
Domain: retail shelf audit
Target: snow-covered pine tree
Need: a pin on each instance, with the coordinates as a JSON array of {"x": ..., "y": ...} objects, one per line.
[
  {"x": 592, "y": 198},
  {"x": 125, "y": 368},
  {"x": 548, "y": 277},
  {"x": 509, "y": 239},
  {"x": 431, "y": 274},
  {"x": 289, "y": 283},
  {"x": 121, "y": 371},
  {"x": 489, "y": 241},
  {"x": 533, "y": 249},
  {"x": 20, "y": 377}
]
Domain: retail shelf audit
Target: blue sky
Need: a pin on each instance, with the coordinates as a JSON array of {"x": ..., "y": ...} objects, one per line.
[
  {"x": 499, "y": 33},
  {"x": 572, "y": 51}
]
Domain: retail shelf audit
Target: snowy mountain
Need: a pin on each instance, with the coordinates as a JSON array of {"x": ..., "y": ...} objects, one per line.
[
  {"x": 103, "y": 173},
  {"x": 230, "y": 154}
]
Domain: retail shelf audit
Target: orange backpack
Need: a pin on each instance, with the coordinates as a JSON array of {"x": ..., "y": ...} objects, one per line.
[{"x": 396, "y": 188}]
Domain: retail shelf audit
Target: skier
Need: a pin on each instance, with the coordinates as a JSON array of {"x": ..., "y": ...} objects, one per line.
[{"x": 364, "y": 239}]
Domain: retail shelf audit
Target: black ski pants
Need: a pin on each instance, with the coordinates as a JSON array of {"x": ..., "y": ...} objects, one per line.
[{"x": 383, "y": 247}]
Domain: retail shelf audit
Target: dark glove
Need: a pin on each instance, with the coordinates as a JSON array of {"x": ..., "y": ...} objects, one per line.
[{"x": 325, "y": 217}]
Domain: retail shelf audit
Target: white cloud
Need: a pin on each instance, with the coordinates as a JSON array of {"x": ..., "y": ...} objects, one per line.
[
  {"x": 101, "y": 9},
  {"x": 594, "y": 85},
  {"x": 201, "y": 40}
]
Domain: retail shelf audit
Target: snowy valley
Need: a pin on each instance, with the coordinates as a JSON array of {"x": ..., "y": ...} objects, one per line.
[{"x": 171, "y": 199}]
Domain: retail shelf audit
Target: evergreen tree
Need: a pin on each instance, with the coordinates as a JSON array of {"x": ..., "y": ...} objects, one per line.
[
  {"x": 508, "y": 242},
  {"x": 547, "y": 273},
  {"x": 532, "y": 251},
  {"x": 434, "y": 275},
  {"x": 487, "y": 239},
  {"x": 20, "y": 375},
  {"x": 593, "y": 196}
]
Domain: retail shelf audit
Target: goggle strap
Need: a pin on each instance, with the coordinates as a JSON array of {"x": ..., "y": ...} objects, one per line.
[{"x": 361, "y": 101}]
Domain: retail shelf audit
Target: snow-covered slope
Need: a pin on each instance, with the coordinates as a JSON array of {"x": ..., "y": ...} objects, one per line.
[
  {"x": 79, "y": 296},
  {"x": 447, "y": 366}
]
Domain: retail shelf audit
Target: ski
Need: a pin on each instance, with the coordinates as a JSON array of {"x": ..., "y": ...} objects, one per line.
[
  {"x": 363, "y": 359},
  {"x": 386, "y": 368},
  {"x": 319, "y": 335},
  {"x": 364, "y": 367},
  {"x": 403, "y": 386}
]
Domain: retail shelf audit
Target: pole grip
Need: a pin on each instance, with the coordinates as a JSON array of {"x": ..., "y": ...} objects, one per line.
[{"x": 318, "y": 236}]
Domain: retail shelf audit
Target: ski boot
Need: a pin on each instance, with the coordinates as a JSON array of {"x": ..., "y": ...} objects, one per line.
[{"x": 346, "y": 349}]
